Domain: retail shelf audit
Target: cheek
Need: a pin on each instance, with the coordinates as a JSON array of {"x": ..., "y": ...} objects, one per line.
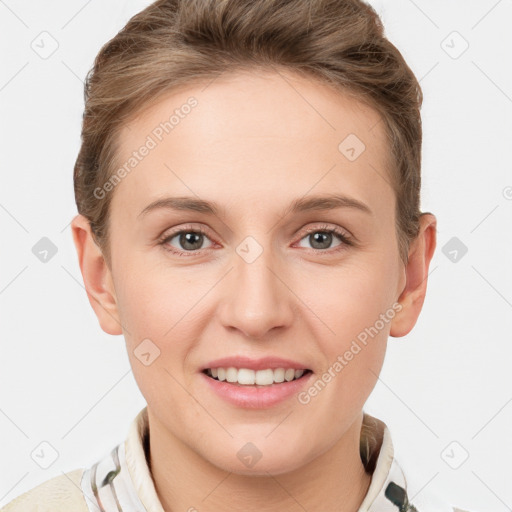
[
  {"x": 352, "y": 308},
  {"x": 347, "y": 299},
  {"x": 353, "y": 357},
  {"x": 161, "y": 328},
  {"x": 163, "y": 317},
  {"x": 155, "y": 302}
]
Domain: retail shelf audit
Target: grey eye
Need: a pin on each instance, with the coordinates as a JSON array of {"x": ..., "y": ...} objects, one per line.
[
  {"x": 189, "y": 240},
  {"x": 320, "y": 239}
]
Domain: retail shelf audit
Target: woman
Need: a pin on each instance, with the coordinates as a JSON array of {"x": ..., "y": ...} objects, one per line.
[{"x": 248, "y": 192}]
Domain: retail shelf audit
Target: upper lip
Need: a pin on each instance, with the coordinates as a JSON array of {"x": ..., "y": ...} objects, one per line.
[{"x": 255, "y": 364}]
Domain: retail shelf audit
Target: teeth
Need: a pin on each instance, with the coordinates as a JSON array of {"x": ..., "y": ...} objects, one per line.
[
  {"x": 231, "y": 374},
  {"x": 245, "y": 376},
  {"x": 249, "y": 377}
]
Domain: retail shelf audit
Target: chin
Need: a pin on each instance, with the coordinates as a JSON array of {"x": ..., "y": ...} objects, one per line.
[{"x": 259, "y": 458}]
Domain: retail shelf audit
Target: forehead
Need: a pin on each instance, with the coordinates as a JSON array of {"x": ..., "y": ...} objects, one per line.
[{"x": 256, "y": 137}]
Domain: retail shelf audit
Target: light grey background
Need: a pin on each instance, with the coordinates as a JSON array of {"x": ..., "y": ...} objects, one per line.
[{"x": 445, "y": 390}]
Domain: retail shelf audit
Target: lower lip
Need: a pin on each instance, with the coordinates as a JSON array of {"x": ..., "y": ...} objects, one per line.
[{"x": 253, "y": 397}]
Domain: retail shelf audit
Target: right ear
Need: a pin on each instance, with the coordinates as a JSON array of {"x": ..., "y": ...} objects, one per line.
[{"x": 97, "y": 276}]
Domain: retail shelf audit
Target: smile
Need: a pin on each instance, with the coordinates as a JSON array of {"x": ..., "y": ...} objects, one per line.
[
  {"x": 248, "y": 377},
  {"x": 256, "y": 396}
]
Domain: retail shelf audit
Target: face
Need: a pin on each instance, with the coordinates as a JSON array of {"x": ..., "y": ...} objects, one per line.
[{"x": 251, "y": 263}]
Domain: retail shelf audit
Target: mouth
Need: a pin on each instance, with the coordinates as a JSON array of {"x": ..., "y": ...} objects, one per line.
[
  {"x": 246, "y": 377},
  {"x": 267, "y": 384}
]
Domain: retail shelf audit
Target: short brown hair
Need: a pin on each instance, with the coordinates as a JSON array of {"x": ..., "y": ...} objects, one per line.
[{"x": 173, "y": 43}]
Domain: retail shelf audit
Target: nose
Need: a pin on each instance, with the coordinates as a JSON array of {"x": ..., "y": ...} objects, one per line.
[{"x": 257, "y": 299}]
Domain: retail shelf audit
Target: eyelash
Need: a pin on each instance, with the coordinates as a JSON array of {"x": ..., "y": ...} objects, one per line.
[{"x": 342, "y": 236}]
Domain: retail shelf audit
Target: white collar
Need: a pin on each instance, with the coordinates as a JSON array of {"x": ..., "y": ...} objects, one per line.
[{"x": 121, "y": 481}]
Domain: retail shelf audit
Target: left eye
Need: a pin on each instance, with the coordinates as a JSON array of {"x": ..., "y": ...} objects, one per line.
[{"x": 322, "y": 239}]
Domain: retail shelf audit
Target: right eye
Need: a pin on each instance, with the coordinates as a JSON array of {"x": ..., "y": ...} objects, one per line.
[{"x": 184, "y": 241}]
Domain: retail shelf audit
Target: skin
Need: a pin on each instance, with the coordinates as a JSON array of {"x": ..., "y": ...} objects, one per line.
[{"x": 253, "y": 144}]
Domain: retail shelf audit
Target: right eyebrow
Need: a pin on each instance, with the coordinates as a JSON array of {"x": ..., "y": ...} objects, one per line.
[{"x": 181, "y": 203}]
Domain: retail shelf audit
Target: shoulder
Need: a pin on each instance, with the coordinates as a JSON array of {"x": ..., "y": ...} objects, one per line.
[{"x": 59, "y": 494}]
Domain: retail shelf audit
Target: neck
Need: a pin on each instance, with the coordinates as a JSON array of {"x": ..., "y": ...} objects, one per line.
[{"x": 184, "y": 481}]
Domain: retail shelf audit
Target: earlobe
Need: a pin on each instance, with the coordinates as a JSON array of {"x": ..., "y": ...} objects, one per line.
[
  {"x": 97, "y": 276},
  {"x": 413, "y": 295}
]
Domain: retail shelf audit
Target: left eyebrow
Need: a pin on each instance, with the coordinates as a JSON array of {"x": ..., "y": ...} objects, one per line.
[
  {"x": 312, "y": 203},
  {"x": 327, "y": 202}
]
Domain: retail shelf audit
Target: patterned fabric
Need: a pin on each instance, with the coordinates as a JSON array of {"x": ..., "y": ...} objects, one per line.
[
  {"x": 109, "y": 486},
  {"x": 121, "y": 481}
]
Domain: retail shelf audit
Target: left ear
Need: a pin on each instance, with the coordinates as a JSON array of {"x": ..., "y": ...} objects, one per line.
[{"x": 416, "y": 271}]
